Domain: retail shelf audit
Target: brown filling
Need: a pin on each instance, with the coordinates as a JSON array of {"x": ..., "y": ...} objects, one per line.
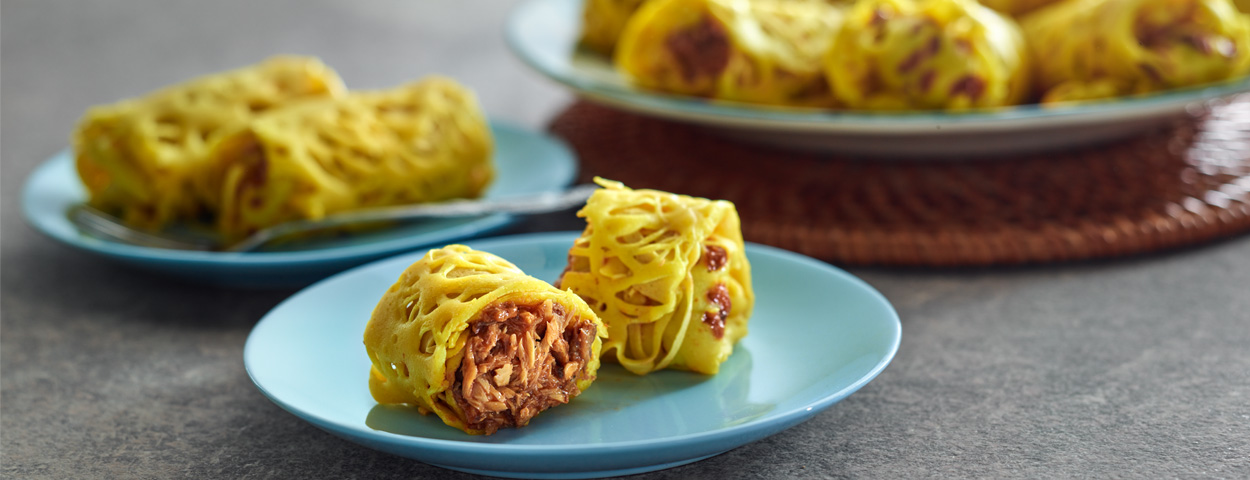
[
  {"x": 520, "y": 360},
  {"x": 1155, "y": 35},
  {"x": 701, "y": 50},
  {"x": 719, "y": 296},
  {"x": 715, "y": 257}
]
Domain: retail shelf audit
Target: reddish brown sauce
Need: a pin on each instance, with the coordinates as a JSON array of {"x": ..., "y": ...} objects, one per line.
[
  {"x": 1158, "y": 36},
  {"x": 1151, "y": 72},
  {"x": 926, "y": 80},
  {"x": 256, "y": 169},
  {"x": 700, "y": 51},
  {"x": 969, "y": 85},
  {"x": 919, "y": 56},
  {"x": 715, "y": 257},
  {"x": 719, "y": 296}
]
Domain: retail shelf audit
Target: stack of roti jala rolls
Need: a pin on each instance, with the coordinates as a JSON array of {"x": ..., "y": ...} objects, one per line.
[
  {"x": 949, "y": 55},
  {"x": 278, "y": 141}
]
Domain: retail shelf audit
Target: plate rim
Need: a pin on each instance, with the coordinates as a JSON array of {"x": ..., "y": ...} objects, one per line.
[
  {"x": 812, "y": 120},
  {"x": 484, "y": 225},
  {"x": 779, "y": 421}
]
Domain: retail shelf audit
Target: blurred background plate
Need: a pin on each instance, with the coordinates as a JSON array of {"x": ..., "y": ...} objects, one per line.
[
  {"x": 817, "y": 335},
  {"x": 544, "y": 34},
  {"x": 526, "y": 163}
]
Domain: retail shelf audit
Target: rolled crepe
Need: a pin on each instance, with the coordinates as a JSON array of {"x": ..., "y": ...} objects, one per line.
[
  {"x": 927, "y": 54},
  {"x": 759, "y": 51},
  {"x": 468, "y": 336},
  {"x": 1091, "y": 49},
  {"x": 603, "y": 20},
  {"x": 1017, "y": 7},
  {"x": 137, "y": 157},
  {"x": 423, "y": 142},
  {"x": 666, "y": 273}
]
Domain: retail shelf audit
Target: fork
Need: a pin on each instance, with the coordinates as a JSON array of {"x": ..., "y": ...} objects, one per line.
[{"x": 91, "y": 220}]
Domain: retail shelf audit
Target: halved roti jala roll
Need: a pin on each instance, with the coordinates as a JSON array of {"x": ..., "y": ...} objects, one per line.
[
  {"x": 467, "y": 335},
  {"x": 667, "y": 273}
]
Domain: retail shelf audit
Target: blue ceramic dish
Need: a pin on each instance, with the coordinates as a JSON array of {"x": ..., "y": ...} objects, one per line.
[
  {"x": 817, "y": 335},
  {"x": 526, "y": 162},
  {"x": 544, "y": 34}
]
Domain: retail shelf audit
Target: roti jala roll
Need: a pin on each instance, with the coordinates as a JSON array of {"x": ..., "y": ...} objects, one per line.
[
  {"x": 666, "y": 273},
  {"x": 467, "y": 335},
  {"x": 927, "y": 54},
  {"x": 422, "y": 142},
  {"x": 137, "y": 157},
  {"x": 1093, "y": 49},
  {"x": 758, "y": 51}
]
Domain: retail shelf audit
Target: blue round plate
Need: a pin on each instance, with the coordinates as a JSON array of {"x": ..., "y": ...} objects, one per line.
[
  {"x": 544, "y": 34},
  {"x": 526, "y": 162},
  {"x": 817, "y": 335}
]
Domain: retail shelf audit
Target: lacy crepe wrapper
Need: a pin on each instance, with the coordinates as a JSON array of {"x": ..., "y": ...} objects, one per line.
[
  {"x": 667, "y": 273},
  {"x": 757, "y": 51},
  {"x": 1093, "y": 49},
  {"x": 931, "y": 54},
  {"x": 424, "y": 333},
  {"x": 137, "y": 157},
  {"x": 423, "y": 142}
]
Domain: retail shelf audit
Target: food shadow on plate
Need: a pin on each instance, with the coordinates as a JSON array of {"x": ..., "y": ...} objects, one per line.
[{"x": 618, "y": 407}]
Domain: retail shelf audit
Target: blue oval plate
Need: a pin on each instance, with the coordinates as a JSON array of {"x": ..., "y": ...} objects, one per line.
[
  {"x": 544, "y": 34},
  {"x": 817, "y": 335},
  {"x": 526, "y": 162}
]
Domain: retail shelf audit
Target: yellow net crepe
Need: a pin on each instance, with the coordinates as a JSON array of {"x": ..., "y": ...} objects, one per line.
[
  {"x": 667, "y": 274},
  {"x": 137, "y": 157},
  {"x": 928, "y": 54},
  {"x": 426, "y": 141},
  {"x": 760, "y": 51},
  {"x": 603, "y": 20},
  {"x": 1090, "y": 49},
  {"x": 467, "y": 335}
]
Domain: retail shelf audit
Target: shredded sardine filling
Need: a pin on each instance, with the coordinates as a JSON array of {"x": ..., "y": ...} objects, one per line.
[{"x": 520, "y": 360}]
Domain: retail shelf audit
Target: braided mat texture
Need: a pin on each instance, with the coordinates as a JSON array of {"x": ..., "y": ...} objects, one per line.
[{"x": 1186, "y": 184}]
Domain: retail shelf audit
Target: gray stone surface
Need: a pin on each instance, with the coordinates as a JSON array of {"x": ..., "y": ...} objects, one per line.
[{"x": 1136, "y": 367}]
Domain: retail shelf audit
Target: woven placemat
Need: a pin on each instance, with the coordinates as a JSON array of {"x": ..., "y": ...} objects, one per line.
[{"x": 1180, "y": 185}]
